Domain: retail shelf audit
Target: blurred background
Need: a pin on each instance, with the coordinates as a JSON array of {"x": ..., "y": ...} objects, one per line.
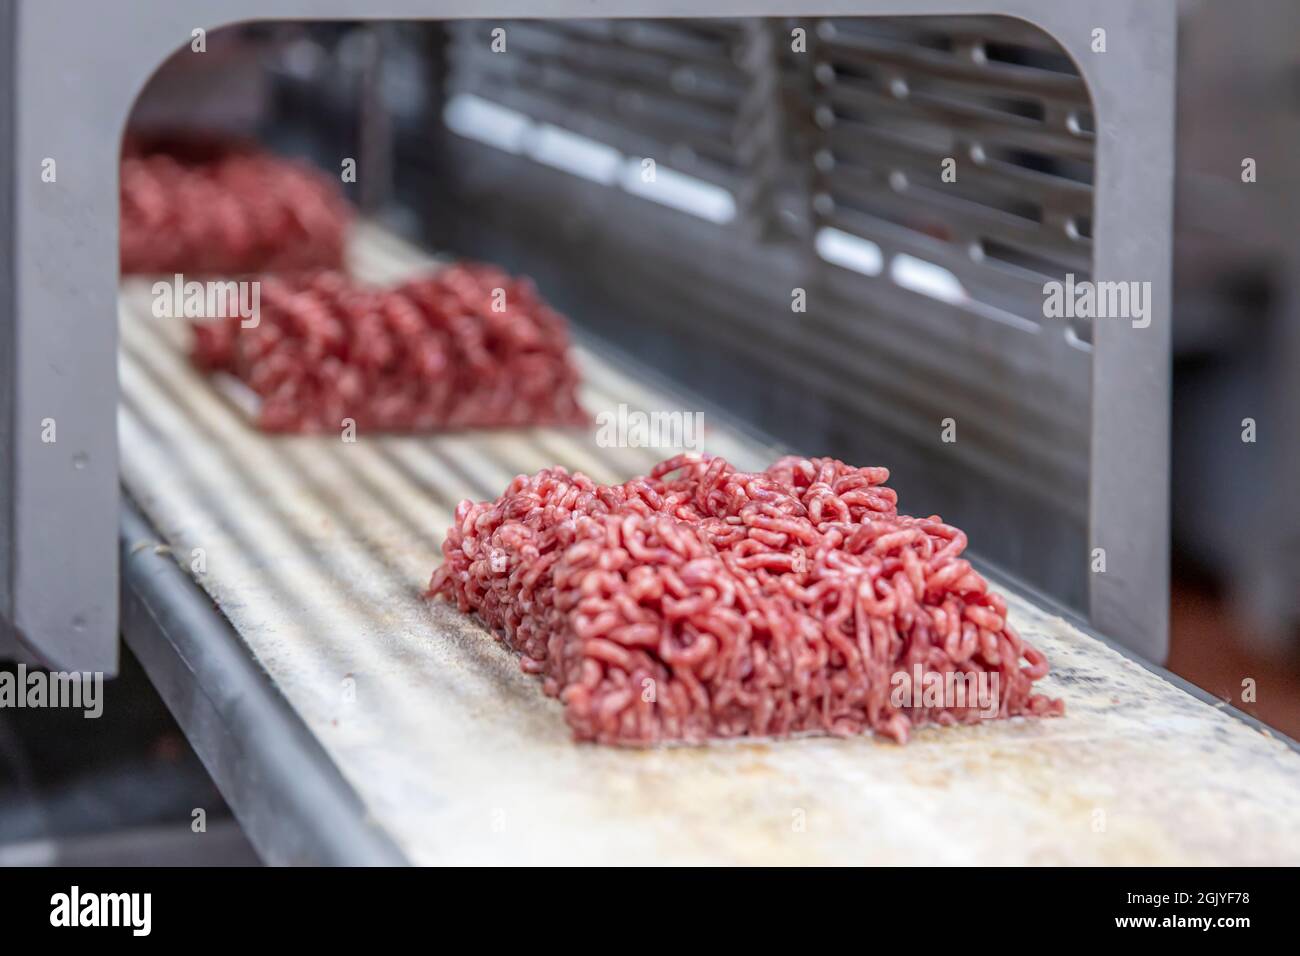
[{"x": 123, "y": 787}]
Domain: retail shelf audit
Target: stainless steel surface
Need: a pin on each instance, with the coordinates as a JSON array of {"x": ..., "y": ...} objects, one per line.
[
  {"x": 318, "y": 551},
  {"x": 8, "y": 322},
  {"x": 289, "y": 798}
]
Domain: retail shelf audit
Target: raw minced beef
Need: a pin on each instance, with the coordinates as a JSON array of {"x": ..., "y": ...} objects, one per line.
[
  {"x": 467, "y": 346},
  {"x": 703, "y": 602},
  {"x": 217, "y": 205}
]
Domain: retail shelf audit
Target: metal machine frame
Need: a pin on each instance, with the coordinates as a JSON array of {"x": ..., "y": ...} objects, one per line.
[{"x": 73, "y": 74}]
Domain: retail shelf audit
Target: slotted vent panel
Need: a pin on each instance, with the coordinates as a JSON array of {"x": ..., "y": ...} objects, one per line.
[
  {"x": 896, "y": 101},
  {"x": 670, "y": 90}
]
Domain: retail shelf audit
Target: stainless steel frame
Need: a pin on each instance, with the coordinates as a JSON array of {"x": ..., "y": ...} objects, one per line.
[{"x": 72, "y": 78}]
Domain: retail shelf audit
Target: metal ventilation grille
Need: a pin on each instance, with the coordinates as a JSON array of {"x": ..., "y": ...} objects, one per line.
[
  {"x": 893, "y": 100},
  {"x": 668, "y": 89},
  {"x": 863, "y": 121}
]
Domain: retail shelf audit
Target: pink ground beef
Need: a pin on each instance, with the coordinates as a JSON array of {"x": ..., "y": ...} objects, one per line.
[
  {"x": 701, "y": 602},
  {"x": 211, "y": 205},
  {"x": 466, "y": 346}
]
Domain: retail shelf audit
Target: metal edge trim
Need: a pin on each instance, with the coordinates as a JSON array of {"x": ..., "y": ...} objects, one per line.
[
  {"x": 8, "y": 327},
  {"x": 286, "y": 792}
]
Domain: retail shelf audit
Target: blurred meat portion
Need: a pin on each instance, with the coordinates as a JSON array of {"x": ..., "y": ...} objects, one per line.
[
  {"x": 212, "y": 205},
  {"x": 468, "y": 346}
]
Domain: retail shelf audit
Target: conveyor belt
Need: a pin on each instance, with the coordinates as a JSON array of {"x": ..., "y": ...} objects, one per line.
[{"x": 317, "y": 552}]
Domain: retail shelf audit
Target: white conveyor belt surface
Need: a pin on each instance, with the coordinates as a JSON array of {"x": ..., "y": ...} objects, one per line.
[{"x": 317, "y": 551}]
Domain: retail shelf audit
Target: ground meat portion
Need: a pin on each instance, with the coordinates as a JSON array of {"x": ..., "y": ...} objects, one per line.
[
  {"x": 207, "y": 206},
  {"x": 702, "y": 602},
  {"x": 468, "y": 346}
]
